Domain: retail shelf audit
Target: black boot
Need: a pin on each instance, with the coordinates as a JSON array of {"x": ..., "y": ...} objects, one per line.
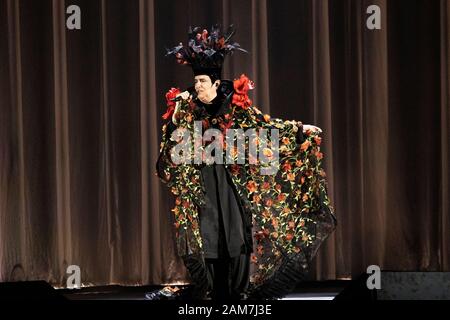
[{"x": 197, "y": 270}]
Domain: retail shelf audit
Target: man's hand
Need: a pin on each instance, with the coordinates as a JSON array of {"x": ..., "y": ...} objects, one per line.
[
  {"x": 184, "y": 95},
  {"x": 311, "y": 128}
]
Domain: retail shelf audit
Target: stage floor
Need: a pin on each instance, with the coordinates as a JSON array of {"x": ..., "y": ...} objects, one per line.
[{"x": 323, "y": 290}]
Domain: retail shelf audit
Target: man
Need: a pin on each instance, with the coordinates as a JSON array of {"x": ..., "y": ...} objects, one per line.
[
  {"x": 225, "y": 231},
  {"x": 216, "y": 204}
]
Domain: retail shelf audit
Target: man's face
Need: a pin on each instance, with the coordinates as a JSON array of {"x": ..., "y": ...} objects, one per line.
[{"x": 206, "y": 90}]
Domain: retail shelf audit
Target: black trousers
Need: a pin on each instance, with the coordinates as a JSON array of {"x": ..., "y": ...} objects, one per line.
[
  {"x": 224, "y": 236},
  {"x": 228, "y": 278}
]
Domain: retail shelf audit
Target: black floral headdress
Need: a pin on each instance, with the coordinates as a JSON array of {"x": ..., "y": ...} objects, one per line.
[{"x": 206, "y": 50}]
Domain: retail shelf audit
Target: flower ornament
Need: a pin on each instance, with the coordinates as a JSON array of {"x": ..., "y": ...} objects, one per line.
[
  {"x": 171, "y": 94},
  {"x": 241, "y": 88}
]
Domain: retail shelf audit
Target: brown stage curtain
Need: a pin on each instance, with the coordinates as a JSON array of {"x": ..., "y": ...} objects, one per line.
[{"x": 80, "y": 118}]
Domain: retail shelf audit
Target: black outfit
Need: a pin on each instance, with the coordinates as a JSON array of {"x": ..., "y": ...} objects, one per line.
[
  {"x": 222, "y": 225},
  {"x": 222, "y": 231}
]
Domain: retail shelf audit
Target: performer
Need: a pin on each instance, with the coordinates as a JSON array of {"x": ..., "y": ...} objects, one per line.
[{"x": 229, "y": 214}]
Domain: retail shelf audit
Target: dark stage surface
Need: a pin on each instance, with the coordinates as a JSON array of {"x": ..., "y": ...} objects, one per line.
[
  {"x": 326, "y": 290},
  {"x": 393, "y": 286}
]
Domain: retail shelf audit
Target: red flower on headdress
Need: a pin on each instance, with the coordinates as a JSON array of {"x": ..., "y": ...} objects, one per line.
[
  {"x": 241, "y": 87},
  {"x": 172, "y": 93}
]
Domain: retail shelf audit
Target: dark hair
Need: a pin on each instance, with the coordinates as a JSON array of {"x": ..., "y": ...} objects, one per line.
[
  {"x": 213, "y": 73},
  {"x": 212, "y": 77}
]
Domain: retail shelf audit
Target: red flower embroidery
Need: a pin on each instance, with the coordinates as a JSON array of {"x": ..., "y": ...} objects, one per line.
[
  {"x": 305, "y": 145},
  {"x": 259, "y": 235},
  {"x": 235, "y": 169},
  {"x": 318, "y": 140},
  {"x": 274, "y": 223},
  {"x": 287, "y": 166},
  {"x": 226, "y": 125},
  {"x": 251, "y": 186},
  {"x": 319, "y": 155},
  {"x": 260, "y": 250},
  {"x": 205, "y": 124}
]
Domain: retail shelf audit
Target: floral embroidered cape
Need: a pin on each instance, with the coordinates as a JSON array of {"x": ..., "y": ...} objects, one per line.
[{"x": 290, "y": 210}]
